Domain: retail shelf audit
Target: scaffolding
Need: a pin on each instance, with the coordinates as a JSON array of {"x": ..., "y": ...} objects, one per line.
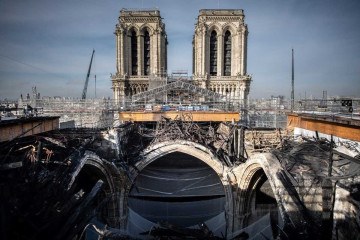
[
  {"x": 182, "y": 96},
  {"x": 156, "y": 81},
  {"x": 179, "y": 85}
]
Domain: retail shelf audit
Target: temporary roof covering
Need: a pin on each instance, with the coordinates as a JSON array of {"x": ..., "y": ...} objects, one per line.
[{"x": 179, "y": 189}]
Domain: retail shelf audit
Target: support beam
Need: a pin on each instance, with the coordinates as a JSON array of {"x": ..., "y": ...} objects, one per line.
[{"x": 200, "y": 116}]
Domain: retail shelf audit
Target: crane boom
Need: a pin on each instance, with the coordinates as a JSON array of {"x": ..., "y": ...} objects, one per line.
[{"x": 87, "y": 77}]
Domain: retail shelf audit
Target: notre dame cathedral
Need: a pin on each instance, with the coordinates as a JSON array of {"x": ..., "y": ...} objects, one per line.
[{"x": 219, "y": 52}]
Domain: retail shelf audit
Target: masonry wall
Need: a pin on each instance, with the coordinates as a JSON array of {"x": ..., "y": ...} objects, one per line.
[{"x": 236, "y": 84}]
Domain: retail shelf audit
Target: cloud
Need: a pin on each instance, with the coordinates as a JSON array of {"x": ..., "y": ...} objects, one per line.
[{"x": 57, "y": 37}]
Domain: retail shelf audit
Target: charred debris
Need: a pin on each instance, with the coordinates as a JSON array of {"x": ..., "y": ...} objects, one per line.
[
  {"x": 55, "y": 185},
  {"x": 44, "y": 192}
]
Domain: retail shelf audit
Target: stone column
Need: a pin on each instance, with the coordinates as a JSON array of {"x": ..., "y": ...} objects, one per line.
[
  {"x": 153, "y": 52},
  {"x": 114, "y": 92},
  {"x": 195, "y": 54},
  {"x": 140, "y": 47},
  {"x": 237, "y": 91},
  {"x": 122, "y": 54},
  {"x": 242, "y": 94},
  {"x": 119, "y": 95},
  {"x": 162, "y": 54},
  {"x": 246, "y": 94},
  {"x": 242, "y": 66},
  {"x": 157, "y": 62},
  {"x": 204, "y": 51},
  {"x": 220, "y": 54},
  {"x": 118, "y": 51},
  {"x": 235, "y": 55},
  {"x": 245, "y": 49}
]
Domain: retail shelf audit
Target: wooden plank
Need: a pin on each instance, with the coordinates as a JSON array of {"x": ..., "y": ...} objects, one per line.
[
  {"x": 81, "y": 215},
  {"x": 196, "y": 116},
  {"x": 346, "y": 131},
  {"x": 26, "y": 127}
]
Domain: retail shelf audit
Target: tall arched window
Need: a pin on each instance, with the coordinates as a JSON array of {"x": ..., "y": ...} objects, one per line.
[
  {"x": 227, "y": 54},
  {"x": 134, "y": 51},
  {"x": 213, "y": 53},
  {"x": 146, "y": 53}
]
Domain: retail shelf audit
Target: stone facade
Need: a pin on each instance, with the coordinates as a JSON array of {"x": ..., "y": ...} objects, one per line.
[
  {"x": 220, "y": 53},
  {"x": 141, "y": 51}
]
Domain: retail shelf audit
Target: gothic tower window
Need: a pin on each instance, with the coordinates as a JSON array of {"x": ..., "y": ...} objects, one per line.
[
  {"x": 227, "y": 54},
  {"x": 136, "y": 55},
  {"x": 134, "y": 50},
  {"x": 146, "y": 53},
  {"x": 213, "y": 53}
]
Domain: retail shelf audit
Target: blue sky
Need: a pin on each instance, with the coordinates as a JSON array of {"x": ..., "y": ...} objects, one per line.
[{"x": 48, "y": 44}]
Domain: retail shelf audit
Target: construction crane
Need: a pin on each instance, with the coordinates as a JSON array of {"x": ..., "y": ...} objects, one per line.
[{"x": 87, "y": 77}]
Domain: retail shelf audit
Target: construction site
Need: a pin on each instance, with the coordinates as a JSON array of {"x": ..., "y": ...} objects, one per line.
[
  {"x": 180, "y": 157},
  {"x": 151, "y": 168}
]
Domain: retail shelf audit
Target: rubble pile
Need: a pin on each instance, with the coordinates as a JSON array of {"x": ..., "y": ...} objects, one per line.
[
  {"x": 217, "y": 137},
  {"x": 44, "y": 193},
  {"x": 326, "y": 184},
  {"x": 69, "y": 184}
]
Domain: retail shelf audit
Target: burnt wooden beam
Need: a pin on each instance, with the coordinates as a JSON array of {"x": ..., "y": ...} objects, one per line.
[{"x": 82, "y": 214}]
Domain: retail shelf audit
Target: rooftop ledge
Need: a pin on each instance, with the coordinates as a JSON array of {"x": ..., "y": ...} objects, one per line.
[
  {"x": 227, "y": 12},
  {"x": 139, "y": 12},
  {"x": 345, "y": 119}
]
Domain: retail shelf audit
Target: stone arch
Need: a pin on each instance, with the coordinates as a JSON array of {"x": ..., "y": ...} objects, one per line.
[
  {"x": 229, "y": 27},
  {"x": 108, "y": 170},
  {"x": 146, "y": 36},
  {"x": 131, "y": 28},
  {"x": 92, "y": 168},
  {"x": 198, "y": 151},
  {"x": 146, "y": 27},
  {"x": 133, "y": 50},
  {"x": 213, "y": 53},
  {"x": 248, "y": 176},
  {"x": 227, "y": 53},
  {"x": 247, "y": 185},
  {"x": 214, "y": 27}
]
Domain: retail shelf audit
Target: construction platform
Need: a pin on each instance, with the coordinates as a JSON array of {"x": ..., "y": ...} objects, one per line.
[
  {"x": 340, "y": 126},
  {"x": 21, "y": 127},
  {"x": 200, "y": 116}
]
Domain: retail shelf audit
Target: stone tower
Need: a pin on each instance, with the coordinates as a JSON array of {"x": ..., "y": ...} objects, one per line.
[
  {"x": 141, "y": 51},
  {"x": 219, "y": 53}
]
